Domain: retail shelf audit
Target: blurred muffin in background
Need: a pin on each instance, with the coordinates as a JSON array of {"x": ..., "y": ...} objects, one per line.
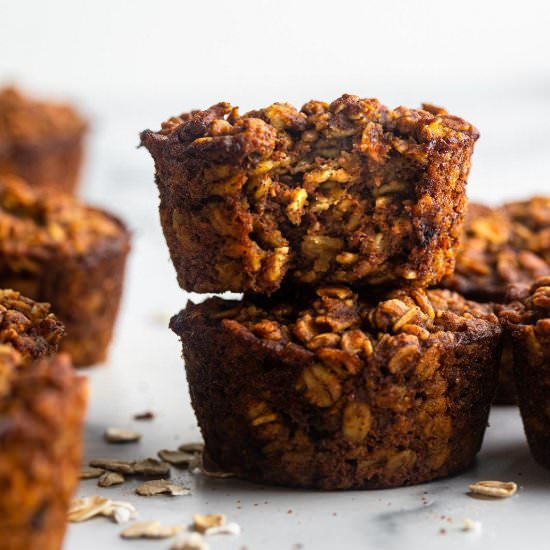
[
  {"x": 506, "y": 245},
  {"x": 42, "y": 407},
  {"x": 56, "y": 249},
  {"x": 40, "y": 141}
]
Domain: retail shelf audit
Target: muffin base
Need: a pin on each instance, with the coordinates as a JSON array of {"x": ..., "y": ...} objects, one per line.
[
  {"x": 532, "y": 377},
  {"x": 257, "y": 424}
]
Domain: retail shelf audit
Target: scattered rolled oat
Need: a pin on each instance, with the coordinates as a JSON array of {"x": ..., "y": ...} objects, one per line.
[
  {"x": 118, "y": 435},
  {"x": 472, "y": 526},
  {"x": 177, "y": 458},
  {"x": 494, "y": 489},
  {"x": 113, "y": 465},
  {"x": 82, "y": 509},
  {"x": 150, "y": 530},
  {"x": 109, "y": 479},
  {"x": 85, "y": 508},
  {"x": 91, "y": 473},
  {"x": 202, "y": 523},
  {"x": 192, "y": 447},
  {"x": 145, "y": 467},
  {"x": 226, "y": 529},
  {"x": 161, "y": 487},
  {"x": 151, "y": 467},
  {"x": 190, "y": 541},
  {"x": 147, "y": 415}
]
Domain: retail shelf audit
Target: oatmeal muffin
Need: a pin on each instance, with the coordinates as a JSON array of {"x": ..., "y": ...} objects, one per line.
[
  {"x": 338, "y": 391},
  {"x": 527, "y": 321},
  {"x": 348, "y": 192},
  {"x": 40, "y": 141},
  {"x": 42, "y": 406},
  {"x": 57, "y": 250},
  {"x": 501, "y": 246}
]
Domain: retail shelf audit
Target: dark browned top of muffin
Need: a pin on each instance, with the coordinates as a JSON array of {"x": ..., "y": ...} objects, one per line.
[
  {"x": 25, "y": 120},
  {"x": 37, "y": 224},
  {"x": 502, "y": 246},
  {"x": 222, "y": 134},
  {"x": 529, "y": 305},
  {"x": 337, "y": 324}
]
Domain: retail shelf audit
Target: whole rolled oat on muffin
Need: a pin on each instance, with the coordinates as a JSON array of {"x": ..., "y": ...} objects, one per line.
[
  {"x": 42, "y": 405},
  {"x": 348, "y": 192},
  {"x": 331, "y": 390},
  {"x": 501, "y": 246},
  {"x": 527, "y": 320},
  {"x": 40, "y": 141},
  {"x": 58, "y": 250}
]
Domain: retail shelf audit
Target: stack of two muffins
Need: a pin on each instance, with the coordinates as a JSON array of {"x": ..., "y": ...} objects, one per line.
[{"x": 337, "y": 369}]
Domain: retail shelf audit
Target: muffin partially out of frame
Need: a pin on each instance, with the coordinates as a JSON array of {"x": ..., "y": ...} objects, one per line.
[
  {"x": 509, "y": 244},
  {"x": 42, "y": 405},
  {"x": 527, "y": 321},
  {"x": 40, "y": 141},
  {"x": 352, "y": 192},
  {"x": 57, "y": 250},
  {"x": 338, "y": 391},
  {"x": 501, "y": 246}
]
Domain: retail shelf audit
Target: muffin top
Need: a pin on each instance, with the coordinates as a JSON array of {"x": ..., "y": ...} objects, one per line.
[
  {"x": 335, "y": 321},
  {"x": 316, "y": 120},
  {"x": 531, "y": 222},
  {"x": 223, "y": 132},
  {"x": 528, "y": 304},
  {"x": 502, "y": 246},
  {"x": 24, "y": 120},
  {"x": 36, "y": 225},
  {"x": 27, "y": 331}
]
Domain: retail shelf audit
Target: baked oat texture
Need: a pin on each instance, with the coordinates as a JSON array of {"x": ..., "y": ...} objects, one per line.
[
  {"x": 527, "y": 320},
  {"x": 350, "y": 192},
  {"x": 336, "y": 391},
  {"x": 41, "y": 142},
  {"x": 42, "y": 406},
  {"x": 502, "y": 246},
  {"x": 58, "y": 250}
]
